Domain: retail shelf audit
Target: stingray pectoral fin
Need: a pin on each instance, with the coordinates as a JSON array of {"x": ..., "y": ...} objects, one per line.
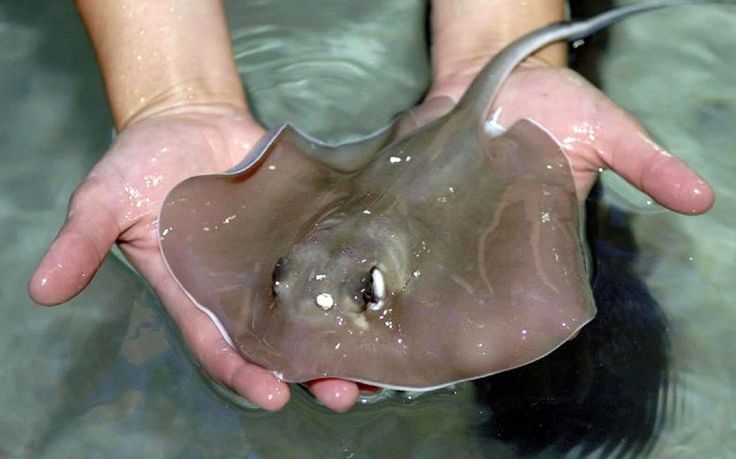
[
  {"x": 222, "y": 234},
  {"x": 345, "y": 157},
  {"x": 506, "y": 281},
  {"x": 352, "y": 156},
  {"x": 534, "y": 253},
  {"x": 264, "y": 145}
]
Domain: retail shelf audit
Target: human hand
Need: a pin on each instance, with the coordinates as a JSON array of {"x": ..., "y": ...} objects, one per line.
[
  {"x": 120, "y": 202},
  {"x": 594, "y": 133}
]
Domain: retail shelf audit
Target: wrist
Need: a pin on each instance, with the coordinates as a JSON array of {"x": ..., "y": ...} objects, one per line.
[
  {"x": 466, "y": 34},
  {"x": 157, "y": 56},
  {"x": 201, "y": 96},
  {"x": 454, "y": 84}
]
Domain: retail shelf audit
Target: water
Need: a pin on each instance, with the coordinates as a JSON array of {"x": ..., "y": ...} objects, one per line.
[
  {"x": 675, "y": 71},
  {"x": 105, "y": 374}
]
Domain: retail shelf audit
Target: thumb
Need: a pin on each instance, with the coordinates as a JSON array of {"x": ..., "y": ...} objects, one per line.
[
  {"x": 79, "y": 249},
  {"x": 625, "y": 147}
]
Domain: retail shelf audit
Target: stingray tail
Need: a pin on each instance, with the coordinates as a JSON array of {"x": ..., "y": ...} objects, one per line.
[{"x": 482, "y": 93}]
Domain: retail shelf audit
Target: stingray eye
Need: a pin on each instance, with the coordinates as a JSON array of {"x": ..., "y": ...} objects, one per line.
[
  {"x": 374, "y": 290},
  {"x": 277, "y": 273}
]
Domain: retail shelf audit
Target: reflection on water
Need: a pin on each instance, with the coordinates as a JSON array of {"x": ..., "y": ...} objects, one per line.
[
  {"x": 106, "y": 372},
  {"x": 337, "y": 73}
]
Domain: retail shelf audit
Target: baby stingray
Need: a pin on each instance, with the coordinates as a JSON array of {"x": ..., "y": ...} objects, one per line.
[{"x": 429, "y": 253}]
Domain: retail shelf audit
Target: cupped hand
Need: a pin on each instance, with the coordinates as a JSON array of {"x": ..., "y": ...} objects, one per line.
[
  {"x": 594, "y": 133},
  {"x": 120, "y": 202}
]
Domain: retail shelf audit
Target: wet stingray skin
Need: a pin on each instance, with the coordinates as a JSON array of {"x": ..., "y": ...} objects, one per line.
[
  {"x": 429, "y": 253},
  {"x": 478, "y": 240}
]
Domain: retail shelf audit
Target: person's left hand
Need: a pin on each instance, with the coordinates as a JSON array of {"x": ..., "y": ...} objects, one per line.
[{"x": 594, "y": 133}]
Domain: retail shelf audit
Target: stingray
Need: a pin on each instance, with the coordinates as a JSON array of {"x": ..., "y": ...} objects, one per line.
[{"x": 431, "y": 252}]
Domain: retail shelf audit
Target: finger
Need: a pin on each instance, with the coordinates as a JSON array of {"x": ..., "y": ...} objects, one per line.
[
  {"x": 626, "y": 148},
  {"x": 251, "y": 381},
  {"x": 336, "y": 394},
  {"x": 216, "y": 356},
  {"x": 78, "y": 250}
]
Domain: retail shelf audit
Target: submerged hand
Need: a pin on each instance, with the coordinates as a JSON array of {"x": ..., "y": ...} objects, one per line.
[
  {"x": 120, "y": 202},
  {"x": 595, "y": 134}
]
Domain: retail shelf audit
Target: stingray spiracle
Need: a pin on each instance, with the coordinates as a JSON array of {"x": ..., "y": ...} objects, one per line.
[{"x": 375, "y": 293}]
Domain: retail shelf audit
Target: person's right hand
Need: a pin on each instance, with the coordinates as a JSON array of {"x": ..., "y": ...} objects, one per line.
[{"x": 120, "y": 202}]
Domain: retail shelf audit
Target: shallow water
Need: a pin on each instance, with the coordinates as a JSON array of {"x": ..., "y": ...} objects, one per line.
[
  {"x": 675, "y": 70},
  {"x": 105, "y": 374}
]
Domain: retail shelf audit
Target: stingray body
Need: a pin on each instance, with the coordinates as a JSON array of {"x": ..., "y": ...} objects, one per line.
[{"x": 427, "y": 254}]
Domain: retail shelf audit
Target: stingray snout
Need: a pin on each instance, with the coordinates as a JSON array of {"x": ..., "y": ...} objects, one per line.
[
  {"x": 342, "y": 285},
  {"x": 370, "y": 293}
]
